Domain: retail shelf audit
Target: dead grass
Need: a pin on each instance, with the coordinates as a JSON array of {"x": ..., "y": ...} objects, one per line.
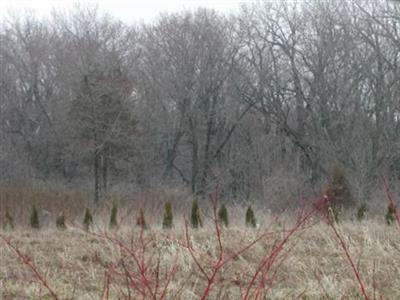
[
  {"x": 132, "y": 264},
  {"x": 75, "y": 263}
]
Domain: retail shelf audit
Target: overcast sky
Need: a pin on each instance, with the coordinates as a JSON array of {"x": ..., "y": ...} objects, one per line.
[{"x": 126, "y": 10}]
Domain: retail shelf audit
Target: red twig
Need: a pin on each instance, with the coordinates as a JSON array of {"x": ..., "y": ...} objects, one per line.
[
  {"x": 28, "y": 262},
  {"x": 270, "y": 257},
  {"x": 392, "y": 203},
  {"x": 331, "y": 223}
]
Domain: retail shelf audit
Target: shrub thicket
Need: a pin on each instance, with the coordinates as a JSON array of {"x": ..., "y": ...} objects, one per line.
[{"x": 338, "y": 190}]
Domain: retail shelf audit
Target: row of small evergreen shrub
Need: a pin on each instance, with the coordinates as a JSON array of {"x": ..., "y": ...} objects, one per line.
[{"x": 168, "y": 222}]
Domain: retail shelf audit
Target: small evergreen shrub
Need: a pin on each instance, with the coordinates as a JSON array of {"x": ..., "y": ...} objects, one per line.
[
  {"x": 250, "y": 218},
  {"x": 168, "y": 216},
  {"x": 113, "y": 217},
  {"x": 87, "y": 220},
  {"x": 362, "y": 211},
  {"x": 34, "y": 219},
  {"x": 195, "y": 215},
  {"x": 223, "y": 215},
  {"x": 60, "y": 222},
  {"x": 390, "y": 214},
  {"x": 141, "y": 221},
  {"x": 8, "y": 221}
]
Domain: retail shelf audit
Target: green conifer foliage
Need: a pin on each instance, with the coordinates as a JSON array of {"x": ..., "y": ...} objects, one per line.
[
  {"x": 113, "y": 217},
  {"x": 168, "y": 216},
  {"x": 195, "y": 215},
  {"x": 34, "y": 219},
  {"x": 223, "y": 215},
  {"x": 250, "y": 218},
  {"x": 362, "y": 211}
]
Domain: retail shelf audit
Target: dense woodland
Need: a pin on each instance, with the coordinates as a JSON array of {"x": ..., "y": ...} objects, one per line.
[{"x": 261, "y": 102}]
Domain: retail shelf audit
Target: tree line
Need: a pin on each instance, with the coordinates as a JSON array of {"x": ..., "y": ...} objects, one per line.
[{"x": 262, "y": 101}]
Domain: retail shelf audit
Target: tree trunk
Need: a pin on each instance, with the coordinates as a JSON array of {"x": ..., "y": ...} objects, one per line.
[{"x": 96, "y": 176}]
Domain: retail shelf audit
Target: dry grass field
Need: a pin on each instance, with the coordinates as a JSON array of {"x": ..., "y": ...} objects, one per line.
[{"x": 292, "y": 256}]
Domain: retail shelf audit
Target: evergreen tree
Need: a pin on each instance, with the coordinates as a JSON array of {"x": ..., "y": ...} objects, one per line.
[
  {"x": 195, "y": 215},
  {"x": 168, "y": 216},
  {"x": 34, "y": 219},
  {"x": 250, "y": 218},
  {"x": 361, "y": 212},
  {"x": 223, "y": 215},
  {"x": 113, "y": 217}
]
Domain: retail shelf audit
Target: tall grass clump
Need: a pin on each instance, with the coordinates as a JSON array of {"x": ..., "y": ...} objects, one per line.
[
  {"x": 195, "y": 215},
  {"x": 34, "y": 218},
  {"x": 168, "y": 216},
  {"x": 87, "y": 220},
  {"x": 223, "y": 215},
  {"x": 113, "y": 217},
  {"x": 250, "y": 218}
]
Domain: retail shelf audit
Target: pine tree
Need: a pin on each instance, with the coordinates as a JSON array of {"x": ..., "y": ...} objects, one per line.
[
  {"x": 60, "y": 221},
  {"x": 113, "y": 217},
  {"x": 250, "y": 218},
  {"x": 362, "y": 211},
  {"x": 34, "y": 219},
  {"x": 168, "y": 216},
  {"x": 87, "y": 220},
  {"x": 223, "y": 215},
  {"x": 195, "y": 215},
  {"x": 141, "y": 221}
]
